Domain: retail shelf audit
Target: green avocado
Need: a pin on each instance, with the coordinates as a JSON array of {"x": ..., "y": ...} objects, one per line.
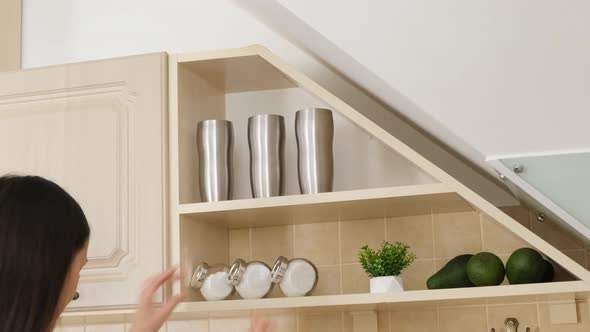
[
  {"x": 526, "y": 266},
  {"x": 485, "y": 269},
  {"x": 452, "y": 275}
]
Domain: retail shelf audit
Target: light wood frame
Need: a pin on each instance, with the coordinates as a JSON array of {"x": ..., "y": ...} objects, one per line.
[{"x": 10, "y": 34}]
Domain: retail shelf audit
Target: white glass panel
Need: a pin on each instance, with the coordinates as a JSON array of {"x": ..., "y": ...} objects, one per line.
[{"x": 564, "y": 179}]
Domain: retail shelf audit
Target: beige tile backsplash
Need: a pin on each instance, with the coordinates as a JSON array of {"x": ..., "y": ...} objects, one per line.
[
  {"x": 357, "y": 233},
  {"x": 497, "y": 239},
  {"x": 321, "y": 322},
  {"x": 462, "y": 319},
  {"x": 239, "y": 244},
  {"x": 435, "y": 239},
  {"x": 456, "y": 233},
  {"x": 424, "y": 320},
  {"x": 525, "y": 313},
  {"x": 416, "y": 231},
  {"x": 317, "y": 242},
  {"x": 333, "y": 246},
  {"x": 329, "y": 282},
  {"x": 415, "y": 276},
  {"x": 583, "y": 325},
  {"x": 355, "y": 280},
  {"x": 270, "y": 242}
]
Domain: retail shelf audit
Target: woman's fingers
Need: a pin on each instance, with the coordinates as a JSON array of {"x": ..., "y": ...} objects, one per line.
[
  {"x": 153, "y": 283},
  {"x": 168, "y": 307},
  {"x": 150, "y": 317},
  {"x": 259, "y": 324},
  {"x": 160, "y": 279}
]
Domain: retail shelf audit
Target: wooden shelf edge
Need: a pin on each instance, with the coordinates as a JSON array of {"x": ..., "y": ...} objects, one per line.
[
  {"x": 353, "y": 301},
  {"x": 217, "y": 54},
  {"x": 332, "y": 197},
  {"x": 391, "y": 298}
]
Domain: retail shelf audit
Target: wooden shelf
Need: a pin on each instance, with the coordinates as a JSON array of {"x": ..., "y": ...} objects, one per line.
[
  {"x": 554, "y": 291},
  {"x": 324, "y": 207},
  {"x": 353, "y": 302},
  {"x": 237, "y": 74}
]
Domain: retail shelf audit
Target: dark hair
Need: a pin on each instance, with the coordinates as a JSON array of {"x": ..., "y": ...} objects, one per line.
[{"x": 41, "y": 229}]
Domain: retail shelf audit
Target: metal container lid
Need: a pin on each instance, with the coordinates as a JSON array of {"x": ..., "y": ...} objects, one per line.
[
  {"x": 200, "y": 274},
  {"x": 236, "y": 271},
  {"x": 279, "y": 269}
]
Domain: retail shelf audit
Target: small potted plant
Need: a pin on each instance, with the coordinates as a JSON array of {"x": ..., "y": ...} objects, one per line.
[{"x": 385, "y": 266}]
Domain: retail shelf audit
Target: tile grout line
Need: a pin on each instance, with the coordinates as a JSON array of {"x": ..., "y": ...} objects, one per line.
[
  {"x": 385, "y": 229},
  {"x": 437, "y": 318},
  {"x": 389, "y": 321},
  {"x": 293, "y": 240},
  {"x": 340, "y": 255},
  {"x": 250, "y": 242},
  {"x": 432, "y": 238},
  {"x": 538, "y": 314},
  {"x": 488, "y": 328}
]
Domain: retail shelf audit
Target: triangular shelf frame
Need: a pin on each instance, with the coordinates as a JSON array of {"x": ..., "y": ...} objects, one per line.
[{"x": 446, "y": 182}]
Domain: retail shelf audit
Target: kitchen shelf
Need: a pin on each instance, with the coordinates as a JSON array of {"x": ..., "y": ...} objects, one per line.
[
  {"x": 325, "y": 207},
  {"x": 554, "y": 291},
  {"x": 235, "y": 84}
]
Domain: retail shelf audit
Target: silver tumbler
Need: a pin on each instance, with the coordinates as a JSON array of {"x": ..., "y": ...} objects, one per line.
[
  {"x": 266, "y": 139},
  {"x": 215, "y": 150},
  {"x": 314, "y": 130}
]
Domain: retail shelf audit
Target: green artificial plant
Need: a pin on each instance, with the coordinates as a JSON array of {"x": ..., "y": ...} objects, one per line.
[{"x": 390, "y": 260}]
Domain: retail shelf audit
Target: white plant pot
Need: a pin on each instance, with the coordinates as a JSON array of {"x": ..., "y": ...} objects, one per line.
[{"x": 389, "y": 284}]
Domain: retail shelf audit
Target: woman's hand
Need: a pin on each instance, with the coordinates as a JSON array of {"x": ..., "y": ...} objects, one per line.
[
  {"x": 148, "y": 317},
  {"x": 259, "y": 324}
]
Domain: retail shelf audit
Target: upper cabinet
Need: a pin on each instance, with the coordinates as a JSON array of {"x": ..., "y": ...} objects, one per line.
[{"x": 99, "y": 130}]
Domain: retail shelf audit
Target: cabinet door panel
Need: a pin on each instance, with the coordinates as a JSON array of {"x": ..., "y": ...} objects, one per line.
[{"x": 98, "y": 130}]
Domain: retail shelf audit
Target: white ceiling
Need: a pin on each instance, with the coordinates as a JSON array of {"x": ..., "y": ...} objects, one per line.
[{"x": 489, "y": 78}]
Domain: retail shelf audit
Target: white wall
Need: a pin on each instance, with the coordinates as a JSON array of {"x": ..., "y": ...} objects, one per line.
[
  {"x": 64, "y": 31},
  {"x": 71, "y": 30},
  {"x": 507, "y": 77}
]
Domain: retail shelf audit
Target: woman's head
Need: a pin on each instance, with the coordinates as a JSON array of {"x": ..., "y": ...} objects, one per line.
[{"x": 43, "y": 241}]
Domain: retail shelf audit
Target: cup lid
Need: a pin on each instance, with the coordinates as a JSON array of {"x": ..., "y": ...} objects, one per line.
[{"x": 200, "y": 274}]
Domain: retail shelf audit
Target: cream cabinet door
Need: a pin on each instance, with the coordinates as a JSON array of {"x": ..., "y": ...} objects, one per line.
[{"x": 99, "y": 130}]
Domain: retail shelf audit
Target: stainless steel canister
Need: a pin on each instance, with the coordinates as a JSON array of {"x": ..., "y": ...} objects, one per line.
[
  {"x": 266, "y": 139},
  {"x": 314, "y": 130},
  {"x": 215, "y": 152}
]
